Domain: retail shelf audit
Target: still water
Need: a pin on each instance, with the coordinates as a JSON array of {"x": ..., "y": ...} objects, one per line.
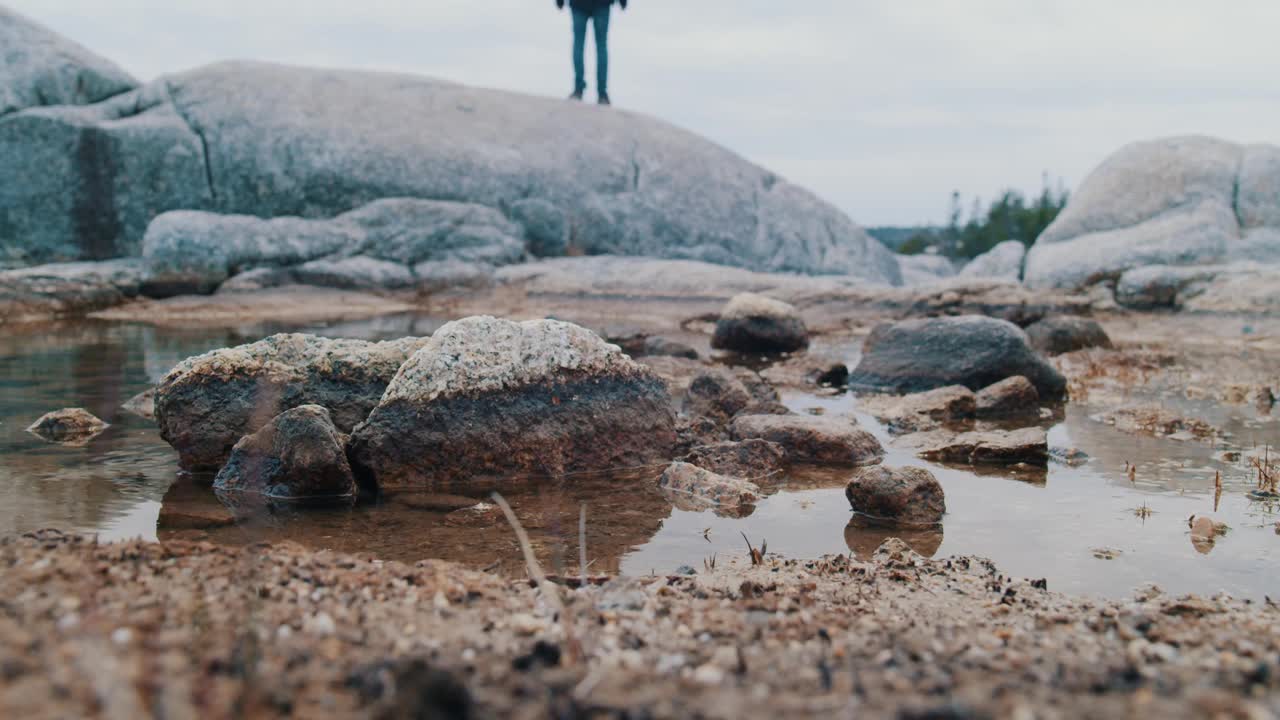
[{"x": 1048, "y": 524}]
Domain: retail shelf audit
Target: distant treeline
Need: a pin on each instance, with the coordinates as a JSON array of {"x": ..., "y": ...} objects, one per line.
[{"x": 1012, "y": 216}]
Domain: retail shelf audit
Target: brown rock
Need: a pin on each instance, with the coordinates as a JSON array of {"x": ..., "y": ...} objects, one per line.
[
  {"x": 197, "y": 518},
  {"x": 750, "y": 459},
  {"x": 1009, "y": 397},
  {"x": 1067, "y": 333},
  {"x": 298, "y": 456},
  {"x": 143, "y": 404},
  {"x": 809, "y": 439},
  {"x": 433, "y": 502},
  {"x": 900, "y": 496}
]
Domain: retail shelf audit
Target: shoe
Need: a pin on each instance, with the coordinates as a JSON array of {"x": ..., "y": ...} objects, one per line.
[
  {"x": 604, "y": 99},
  {"x": 576, "y": 95}
]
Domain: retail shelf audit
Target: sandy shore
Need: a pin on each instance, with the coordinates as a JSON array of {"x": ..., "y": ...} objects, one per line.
[{"x": 195, "y": 630}]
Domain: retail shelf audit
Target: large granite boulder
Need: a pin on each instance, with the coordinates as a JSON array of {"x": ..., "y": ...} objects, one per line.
[
  {"x": 93, "y": 177},
  {"x": 1002, "y": 262},
  {"x": 488, "y": 399},
  {"x": 973, "y": 351},
  {"x": 208, "y": 402},
  {"x": 299, "y": 457},
  {"x": 374, "y": 246},
  {"x": 39, "y": 67},
  {"x": 276, "y": 141},
  {"x": 1176, "y": 201}
]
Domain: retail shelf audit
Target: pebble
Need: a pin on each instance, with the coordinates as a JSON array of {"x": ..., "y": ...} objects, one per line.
[{"x": 708, "y": 674}]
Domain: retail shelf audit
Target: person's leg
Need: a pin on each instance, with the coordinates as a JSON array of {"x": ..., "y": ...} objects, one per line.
[
  {"x": 601, "y": 24},
  {"x": 579, "y": 49}
]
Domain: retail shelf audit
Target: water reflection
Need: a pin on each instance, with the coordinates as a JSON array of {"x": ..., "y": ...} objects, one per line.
[{"x": 864, "y": 537}]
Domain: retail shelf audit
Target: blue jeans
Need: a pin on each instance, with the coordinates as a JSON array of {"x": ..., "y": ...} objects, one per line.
[{"x": 600, "y": 20}]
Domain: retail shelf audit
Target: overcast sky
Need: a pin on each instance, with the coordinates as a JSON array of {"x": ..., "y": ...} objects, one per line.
[{"x": 882, "y": 107}]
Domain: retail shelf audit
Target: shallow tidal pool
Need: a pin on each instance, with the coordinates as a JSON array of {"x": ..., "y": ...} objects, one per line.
[{"x": 1092, "y": 529}]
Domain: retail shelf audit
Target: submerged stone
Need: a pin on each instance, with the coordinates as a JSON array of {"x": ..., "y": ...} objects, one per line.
[
  {"x": 70, "y": 426},
  {"x": 731, "y": 495},
  {"x": 751, "y": 459},
  {"x": 810, "y": 439},
  {"x": 298, "y": 456},
  {"x": 491, "y": 398}
]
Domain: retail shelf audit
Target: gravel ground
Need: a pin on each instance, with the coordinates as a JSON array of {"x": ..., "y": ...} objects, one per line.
[{"x": 181, "y": 630}]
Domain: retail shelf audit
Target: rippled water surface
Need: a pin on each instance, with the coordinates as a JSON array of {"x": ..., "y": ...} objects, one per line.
[{"x": 1040, "y": 524}]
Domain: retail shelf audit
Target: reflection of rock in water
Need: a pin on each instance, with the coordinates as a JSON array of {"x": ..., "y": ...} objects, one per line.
[
  {"x": 624, "y": 510},
  {"x": 863, "y": 537}
]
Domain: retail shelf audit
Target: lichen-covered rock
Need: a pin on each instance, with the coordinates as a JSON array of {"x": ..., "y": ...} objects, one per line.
[
  {"x": 1002, "y": 262},
  {"x": 299, "y": 457},
  {"x": 752, "y": 459},
  {"x": 753, "y": 323},
  {"x": 1007, "y": 398},
  {"x": 901, "y": 496},
  {"x": 208, "y": 402},
  {"x": 728, "y": 495},
  {"x": 70, "y": 426},
  {"x": 824, "y": 440},
  {"x": 973, "y": 351},
  {"x": 487, "y": 398},
  {"x": 1067, "y": 333},
  {"x": 40, "y": 67}
]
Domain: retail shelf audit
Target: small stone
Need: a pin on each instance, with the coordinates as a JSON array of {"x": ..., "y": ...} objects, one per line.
[
  {"x": 826, "y": 440},
  {"x": 70, "y": 426},
  {"x": 1000, "y": 447},
  {"x": 298, "y": 456},
  {"x": 708, "y": 674},
  {"x": 750, "y": 459},
  {"x": 1067, "y": 333},
  {"x": 479, "y": 515},
  {"x": 753, "y": 323},
  {"x": 122, "y": 636},
  {"x": 661, "y": 346},
  {"x": 908, "y": 496},
  {"x": 143, "y": 404},
  {"x": 321, "y": 624},
  {"x": 1011, "y": 396}
]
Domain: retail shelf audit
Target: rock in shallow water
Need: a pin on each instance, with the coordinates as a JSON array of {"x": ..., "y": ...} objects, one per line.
[
  {"x": 751, "y": 459},
  {"x": 1009, "y": 397},
  {"x": 70, "y": 426},
  {"x": 208, "y": 402},
  {"x": 728, "y": 495},
  {"x": 907, "y": 496},
  {"x": 974, "y": 351},
  {"x": 298, "y": 456},
  {"x": 753, "y": 323},
  {"x": 1067, "y": 333},
  {"x": 921, "y": 411},
  {"x": 808, "y": 439},
  {"x": 487, "y": 398},
  {"x": 995, "y": 447}
]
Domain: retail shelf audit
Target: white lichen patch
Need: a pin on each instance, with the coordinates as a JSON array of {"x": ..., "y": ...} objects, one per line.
[
  {"x": 292, "y": 356},
  {"x": 749, "y": 305},
  {"x": 484, "y": 354}
]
